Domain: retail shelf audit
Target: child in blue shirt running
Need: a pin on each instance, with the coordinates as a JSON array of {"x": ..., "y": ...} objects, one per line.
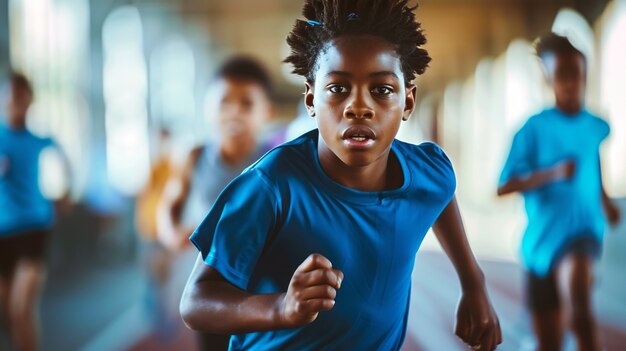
[
  {"x": 313, "y": 246},
  {"x": 554, "y": 162},
  {"x": 26, "y": 217}
]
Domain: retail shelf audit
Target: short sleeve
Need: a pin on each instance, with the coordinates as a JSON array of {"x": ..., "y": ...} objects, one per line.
[
  {"x": 603, "y": 129},
  {"x": 441, "y": 164},
  {"x": 51, "y": 144},
  {"x": 519, "y": 162},
  {"x": 233, "y": 235}
]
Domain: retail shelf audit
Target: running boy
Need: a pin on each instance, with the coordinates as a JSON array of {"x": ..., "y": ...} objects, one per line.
[
  {"x": 244, "y": 104},
  {"x": 26, "y": 219},
  {"x": 244, "y": 89},
  {"x": 313, "y": 246},
  {"x": 554, "y": 162}
]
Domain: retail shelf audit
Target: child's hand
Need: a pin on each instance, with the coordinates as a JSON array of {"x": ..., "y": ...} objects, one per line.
[
  {"x": 176, "y": 240},
  {"x": 613, "y": 213},
  {"x": 312, "y": 289},
  {"x": 63, "y": 206},
  {"x": 476, "y": 321},
  {"x": 564, "y": 170},
  {"x": 182, "y": 241}
]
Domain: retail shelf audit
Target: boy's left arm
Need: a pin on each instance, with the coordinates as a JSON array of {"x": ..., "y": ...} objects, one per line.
[
  {"x": 64, "y": 203},
  {"x": 613, "y": 213},
  {"x": 477, "y": 323},
  {"x": 611, "y": 210}
]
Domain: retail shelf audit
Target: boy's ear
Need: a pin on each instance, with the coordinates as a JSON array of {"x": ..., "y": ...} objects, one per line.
[
  {"x": 409, "y": 101},
  {"x": 308, "y": 98}
]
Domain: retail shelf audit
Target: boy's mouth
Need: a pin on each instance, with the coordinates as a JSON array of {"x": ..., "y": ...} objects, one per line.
[{"x": 358, "y": 136}]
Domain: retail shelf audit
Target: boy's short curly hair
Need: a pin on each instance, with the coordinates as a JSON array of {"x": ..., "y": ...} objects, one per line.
[
  {"x": 246, "y": 68},
  {"x": 392, "y": 20},
  {"x": 553, "y": 43}
]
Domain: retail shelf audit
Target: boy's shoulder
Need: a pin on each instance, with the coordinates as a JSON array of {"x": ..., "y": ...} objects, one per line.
[
  {"x": 539, "y": 121},
  {"x": 539, "y": 118},
  {"x": 599, "y": 125},
  {"x": 596, "y": 119},
  {"x": 428, "y": 160},
  {"x": 550, "y": 119},
  {"x": 25, "y": 136},
  {"x": 296, "y": 160},
  {"x": 544, "y": 116},
  {"x": 287, "y": 157},
  {"x": 426, "y": 152},
  {"x": 426, "y": 146}
]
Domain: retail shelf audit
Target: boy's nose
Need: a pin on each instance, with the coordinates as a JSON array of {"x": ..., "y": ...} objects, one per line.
[{"x": 358, "y": 107}]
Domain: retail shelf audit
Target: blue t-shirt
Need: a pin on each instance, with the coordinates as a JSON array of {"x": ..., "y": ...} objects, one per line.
[
  {"x": 22, "y": 206},
  {"x": 563, "y": 211},
  {"x": 284, "y": 208}
]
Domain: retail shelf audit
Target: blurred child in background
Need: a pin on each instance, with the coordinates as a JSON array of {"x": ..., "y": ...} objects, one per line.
[
  {"x": 245, "y": 105},
  {"x": 158, "y": 258},
  {"x": 26, "y": 218},
  {"x": 555, "y": 163}
]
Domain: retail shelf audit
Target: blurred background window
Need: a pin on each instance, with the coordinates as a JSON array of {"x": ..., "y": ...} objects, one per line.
[
  {"x": 125, "y": 98},
  {"x": 49, "y": 43}
]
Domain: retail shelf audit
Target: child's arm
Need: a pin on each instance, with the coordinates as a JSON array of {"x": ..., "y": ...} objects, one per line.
[
  {"x": 612, "y": 211},
  {"x": 64, "y": 203},
  {"x": 561, "y": 171},
  {"x": 211, "y": 304},
  {"x": 169, "y": 229},
  {"x": 477, "y": 323}
]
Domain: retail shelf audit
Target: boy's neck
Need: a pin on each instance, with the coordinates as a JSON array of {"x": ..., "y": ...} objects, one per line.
[
  {"x": 569, "y": 109},
  {"x": 235, "y": 152},
  {"x": 382, "y": 174},
  {"x": 17, "y": 126}
]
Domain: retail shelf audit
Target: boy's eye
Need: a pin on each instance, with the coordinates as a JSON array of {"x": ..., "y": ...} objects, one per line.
[
  {"x": 338, "y": 89},
  {"x": 382, "y": 90}
]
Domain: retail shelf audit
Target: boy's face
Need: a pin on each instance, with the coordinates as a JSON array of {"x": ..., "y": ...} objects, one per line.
[
  {"x": 17, "y": 105},
  {"x": 566, "y": 74},
  {"x": 359, "y": 99},
  {"x": 243, "y": 108}
]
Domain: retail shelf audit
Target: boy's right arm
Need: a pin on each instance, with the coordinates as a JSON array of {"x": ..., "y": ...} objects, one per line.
[
  {"x": 562, "y": 171},
  {"x": 175, "y": 194},
  {"x": 211, "y": 304}
]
